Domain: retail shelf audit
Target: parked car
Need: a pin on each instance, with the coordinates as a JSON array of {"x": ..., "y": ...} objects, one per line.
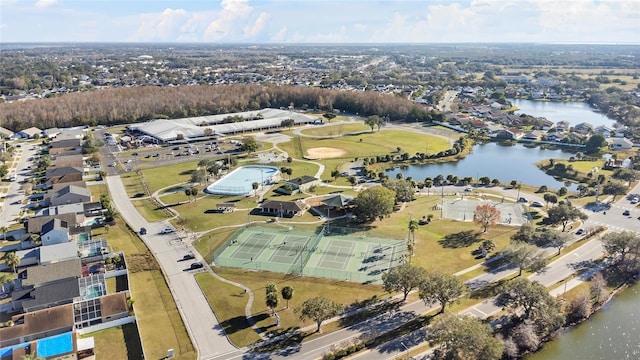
[
  {"x": 635, "y": 200},
  {"x": 626, "y": 212},
  {"x": 143, "y": 231},
  {"x": 188, "y": 257},
  {"x": 468, "y": 189},
  {"x": 523, "y": 199},
  {"x": 167, "y": 230},
  {"x": 580, "y": 232},
  {"x": 196, "y": 265},
  {"x": 537, "y": 204}
]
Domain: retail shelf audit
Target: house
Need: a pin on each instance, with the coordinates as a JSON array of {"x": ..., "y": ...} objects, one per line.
[
  {"x": 70, "y": 194},
  {"x": 54, "y": 232},
  {"x": 562, "y": 125},
  {"x": 604, "y": 130},
  {"x": 574, "y": 138},
  {"x": 51, "y": 132},
  {"x": 71, "y": 160},
  {"x": 76, "y": 209},
  {"x": 67, "y": 178},
  {"x": 27, "y": 257},
  {"x": 302, "y": 183},
  {"x": 338, "y": 201},
  {"x": 583, "y": 128},
  {"x": 532, "y": 135},
  {"x": 29, "y": 133},
  {"x": 554, "y": 136},
  {"x": 37, "y": 325},
  {"x": 58, "y": 252},
  {"x": 61, "y": 171},
  {"x": 620, "y": 144},
  {"x": 64, "y": 145},
  {"x": 283, "y": 208},
  {"x": 507, "y": 134},
  {"x": 37, "y": 298},
  {"x": 6, "y": 133},
  {"x": 34, "y": 225},
  {"x": 50, "y": 273}
]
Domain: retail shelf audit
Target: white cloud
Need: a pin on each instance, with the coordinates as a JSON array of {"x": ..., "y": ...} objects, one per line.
[
  {"x": 45, "y": 3},
  {"x": 232, "y": 10},
  {"x": 161, "y": 27},
  {"x": 280, "y": 35},
  {"x": 359, "y": 27},
  {"x": 256, "y": 28}
]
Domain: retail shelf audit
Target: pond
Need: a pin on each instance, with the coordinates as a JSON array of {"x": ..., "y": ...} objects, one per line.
[
  {"x": 502, "y": 162},
  {"x": 573, "y": 112}
]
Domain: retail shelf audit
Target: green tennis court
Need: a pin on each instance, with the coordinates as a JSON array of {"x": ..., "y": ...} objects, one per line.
[{"x": 352, "y": 258}]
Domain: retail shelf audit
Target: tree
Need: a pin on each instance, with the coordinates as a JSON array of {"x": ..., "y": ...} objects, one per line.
[
  {"x": 287, "y": 293},
  {"x": 563, "y": 214},
  {"x": 404, "y": 278},
  {"x": 329, "y": 116},
  {"x": 525, "y": 257},
  {"x": 272, "y": 301},
  {"x": 463, "y": 338},
  {"x": 287, "y": 123},
  {"x": 596, "y": 286},
  {"x": 625, "y": 174},
  {"x": 614, "y": 188},
  {"x": 550, "y": 198},
  {"x": 619, "y": 244},
  {"x": 413, "y": 226},
  {"x": 352, "y": 180},
  {"x": 12, "y": 260},
  {"x": 533, "y": 301},
  {"x": 525, "y": 336},
  {"x": 319, "y": 309},
  {"x": 488, "y": 245},
  {"x": 4, "y": 280},
  {"x": 249, "y": 144},
  {"x": 554, "y": 238},
  {"x": 208, "y": 132},
  {"x": 403, "y": 189},
  {"x": 525, "y": 234},
  {"x": 579, "y": 308},
  {"x": 4, "y": 230},
  {"x": 595, "y": 143},
  {"x": 443, "y": 288},
  {"x": 335, "y": 174},
  {"x": 373, "y": 121},
  {"x": 486, "y": 215},
  {"x": 374, "y": 202},
  {"x": 198, "y": 176}
]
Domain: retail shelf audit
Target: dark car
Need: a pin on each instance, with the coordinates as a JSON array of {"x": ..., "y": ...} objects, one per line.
[
  {"x": 143, "y": 231},
  {"x": 197, "y": 265},
  {"x": 580, "y": 232},
  {"x": 188, "y": 257}
]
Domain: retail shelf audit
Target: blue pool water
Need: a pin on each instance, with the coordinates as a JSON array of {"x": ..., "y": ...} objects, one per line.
[
  {"x": 94, "y": 291},
  {"x": 83, "y": 237},
  {"x": 55, "y": 345},
  {"x": 240, "y": 181}
]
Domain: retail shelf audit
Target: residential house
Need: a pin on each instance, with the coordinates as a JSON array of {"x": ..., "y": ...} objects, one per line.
[
  {"x": 50, "y": 273},
  {"x": 37, "y": 298},
  {"x": 71, "y": 160},
  {"x": 532, "y": 135},
  {"x": 51, "y": 132},
  {"x": 64, "y": 174},
  {"x": 34, "y": 225},
  {"x": 27, "y": 257},
  {"x": 562, "y": 126},
  {"x": 64, "y": 145},
  {"x": 66, "y": 178},
  {"x": 37, "y": 325},
  {"x": 620, "y": 144},
  {"x": 583, "y": 128},
  {"x": 58, "y": 252},
  {"x": 54, "y": 232},
  {"x": 554, "y": 136},
  {"x": 508, "y": 134},
  {"x": 574, "y": 138},
  {"x": 6, "y": 133},
  {"x": 29, "y": 133},
  {"x": 604, "y": 130},
  {"x": 283, "y": 208},
  {"x": 70, "y": 194},
  {"x": 76, "y": 209}
]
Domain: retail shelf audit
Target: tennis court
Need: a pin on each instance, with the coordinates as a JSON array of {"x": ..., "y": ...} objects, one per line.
[{"x": 344, "y": 257}]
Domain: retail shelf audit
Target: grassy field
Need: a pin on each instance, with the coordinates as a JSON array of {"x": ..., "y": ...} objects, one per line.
[
  {"x": 150, "y": 210},
  {"x": 155, "y": 309},
  {"x": 132, "y": 183},
  {"x": 371, "y": 144},
  {"x": 120, "y": 342},
  {"x": 229, "y": 300},
  {"x": 336, "y": 130},
  {"x": 161, "y": 177}
]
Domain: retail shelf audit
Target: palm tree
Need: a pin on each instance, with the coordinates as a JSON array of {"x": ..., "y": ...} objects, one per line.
[
  {"x": 4, "y": 280},
  {"x": 35, "y": 239},
  {"x": 12, "y": 260},
  {"x": 4, "y": 230},
  {"x": 413, "y": 225},
  {"x": 287, "y": 294}
]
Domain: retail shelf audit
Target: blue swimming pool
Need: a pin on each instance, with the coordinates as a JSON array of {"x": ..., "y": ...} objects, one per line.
[
  {"x": 240, "y": 181},
  {"x": 55, "y": 345}
]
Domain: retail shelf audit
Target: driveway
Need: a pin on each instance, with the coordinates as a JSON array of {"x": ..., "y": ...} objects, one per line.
[{"x": 199, "y": 319}]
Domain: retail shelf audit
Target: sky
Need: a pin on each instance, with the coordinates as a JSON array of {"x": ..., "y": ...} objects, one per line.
[{"x": 321, "y": 21}]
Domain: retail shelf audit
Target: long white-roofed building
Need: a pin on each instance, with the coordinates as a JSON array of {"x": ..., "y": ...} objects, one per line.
[{"x": 195, "y": 128}]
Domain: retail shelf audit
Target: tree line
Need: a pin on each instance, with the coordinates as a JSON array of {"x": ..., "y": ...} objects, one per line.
[{"x": 138, "y": 104}]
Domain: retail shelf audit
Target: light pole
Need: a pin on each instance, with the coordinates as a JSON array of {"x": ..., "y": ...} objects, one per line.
[
  {"x": 281, "y": 211},
  {"x": 405, "y": 348}
]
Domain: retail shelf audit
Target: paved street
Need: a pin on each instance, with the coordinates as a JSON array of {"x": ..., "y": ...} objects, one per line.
[
  {"x": 200, "y": 321},
  {"x": 13, "y": 201}
]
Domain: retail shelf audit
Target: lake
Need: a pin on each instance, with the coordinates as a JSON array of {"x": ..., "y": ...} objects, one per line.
[
  {"x": 612, "y": 333},
  {"x": 505, "y": 163},
  {"x": 573, "y": 112}
]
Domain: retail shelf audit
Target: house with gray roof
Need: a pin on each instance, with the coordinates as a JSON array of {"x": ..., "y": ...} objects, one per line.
[
  {"x": 29, "y": 133},
  {"x": 69, "y": 194},
  {"x": 58, "y": 252},
  {"x": 53, "y": 232},
  {"x": 6, "y": 133},
  {"x": 50, "y": 273},
  {"x": 37, "y": 298}
]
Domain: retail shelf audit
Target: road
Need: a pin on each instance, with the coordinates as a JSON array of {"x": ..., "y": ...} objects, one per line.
[
  {"x": 201, "y": 323},
  {"x": 13, "y": 201}
]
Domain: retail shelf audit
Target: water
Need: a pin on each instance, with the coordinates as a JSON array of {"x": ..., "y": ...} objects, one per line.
[
  {"x": 612, "y": 333},
  {"x": 503, "y": 162},
  {"x": 573, "y": 112},
  {"x": 240, "y": 181}
]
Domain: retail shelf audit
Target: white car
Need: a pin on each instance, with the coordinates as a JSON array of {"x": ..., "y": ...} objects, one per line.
[
  {"x": 167, "y": 230},
  {"x": 635, "y": 200},
  {"x": 536, "y": 204}
]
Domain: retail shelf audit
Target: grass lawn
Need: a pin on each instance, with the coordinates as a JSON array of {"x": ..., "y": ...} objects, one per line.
[
  {"x": 336, "y": 129},
  {"x": 97, "y": 190},
  {"x": 161, "y": 177},
  {"x": 120, "y": 342},
  {"x": 372, "y": 144},
  {"x": 342, "y": 292},
  {"x": 150, "y": 210},
  {"x": 161, "y": 327},
  {"x": 132, "y": 183}
]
